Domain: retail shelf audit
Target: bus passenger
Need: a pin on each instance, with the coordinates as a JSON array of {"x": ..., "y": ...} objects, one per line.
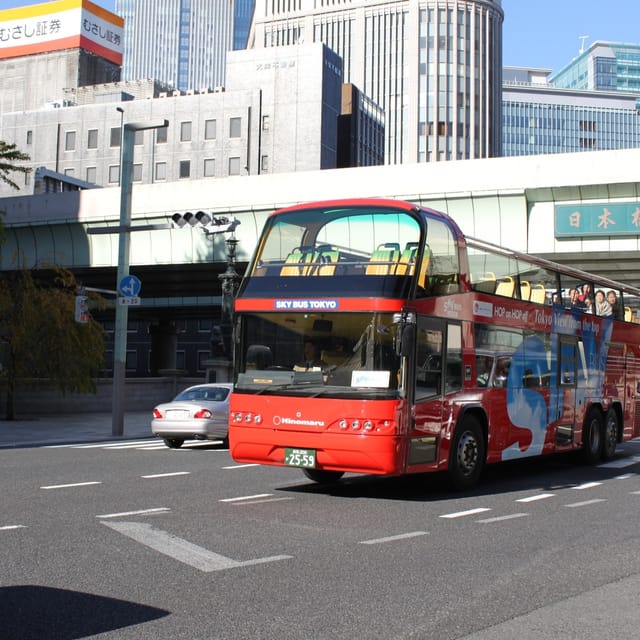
[
  {"x": 603, "y": 308},
  {"x": 612, "y": 299},
  {"x": 574, "y": 299}
]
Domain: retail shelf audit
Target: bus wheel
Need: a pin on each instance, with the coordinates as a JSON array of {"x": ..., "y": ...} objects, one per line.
[
  {"x": 174, "y": 443},
  {"x": 323, "y": 477},
  {"x": 592, "y": 436},
  {"x": 467, "y": 456},
  {"x": 610, "y": 435}
]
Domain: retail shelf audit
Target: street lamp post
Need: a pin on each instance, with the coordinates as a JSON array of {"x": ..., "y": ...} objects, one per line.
[
  {"x": 120, "y": 334},
  {"x": 229, "y": 282}
]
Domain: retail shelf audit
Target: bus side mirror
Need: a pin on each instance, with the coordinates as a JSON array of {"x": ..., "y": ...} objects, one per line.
[{"x": 406, "y": 340}]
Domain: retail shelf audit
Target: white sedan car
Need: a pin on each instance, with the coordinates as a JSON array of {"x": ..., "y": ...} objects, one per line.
[{"x": 200, "y": 412}]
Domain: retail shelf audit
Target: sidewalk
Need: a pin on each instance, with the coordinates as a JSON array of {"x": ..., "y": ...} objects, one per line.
[{"x": 71, "y": 428}]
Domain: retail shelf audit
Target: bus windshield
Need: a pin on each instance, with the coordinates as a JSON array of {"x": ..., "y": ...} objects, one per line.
[
  {"x": 333, "y": 355},
  {"x": 371, "y": 249}
]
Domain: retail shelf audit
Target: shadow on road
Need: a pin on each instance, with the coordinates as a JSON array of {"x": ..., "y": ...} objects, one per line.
[{"x": 31, "y": 611}]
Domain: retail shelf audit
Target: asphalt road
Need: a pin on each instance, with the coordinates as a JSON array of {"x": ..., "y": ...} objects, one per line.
[{"x": 134, "y": 540}]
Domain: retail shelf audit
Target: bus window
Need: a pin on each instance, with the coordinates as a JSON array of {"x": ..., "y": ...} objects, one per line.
[
  {"x": 439, "y": 272},
  {"x": 428, "y": 360},
  {"x": 453, "y": 378}
]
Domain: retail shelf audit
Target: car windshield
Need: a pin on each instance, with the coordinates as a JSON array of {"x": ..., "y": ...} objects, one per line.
[{"x": 213, "y": 394}]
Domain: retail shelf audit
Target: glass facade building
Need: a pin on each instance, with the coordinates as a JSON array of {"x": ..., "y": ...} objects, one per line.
[
  {"x": 539, "y": 116},
  {"x": 182, "y": 43},
  {"x": 604, "y": 66},
  {"x": 242, "y": 15},
  {"x": 433, "y": 66}
]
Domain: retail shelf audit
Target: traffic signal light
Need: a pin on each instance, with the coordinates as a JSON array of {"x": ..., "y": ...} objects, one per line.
[{"x": 82, "y": 309}]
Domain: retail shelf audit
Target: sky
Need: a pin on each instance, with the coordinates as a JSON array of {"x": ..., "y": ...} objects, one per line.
[{"x": 545, "y": 34}]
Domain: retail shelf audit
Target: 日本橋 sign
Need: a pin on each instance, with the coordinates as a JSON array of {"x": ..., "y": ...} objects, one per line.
[{"x": 605, "y": 219}]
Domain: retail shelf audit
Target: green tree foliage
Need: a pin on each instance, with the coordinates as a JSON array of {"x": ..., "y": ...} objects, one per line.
[
  {"x": 39, "y": 337},
  {"x": 9, "y": 155}
]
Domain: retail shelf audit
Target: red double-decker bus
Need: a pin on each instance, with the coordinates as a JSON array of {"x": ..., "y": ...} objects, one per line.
[{"x": 372, "y": 336}]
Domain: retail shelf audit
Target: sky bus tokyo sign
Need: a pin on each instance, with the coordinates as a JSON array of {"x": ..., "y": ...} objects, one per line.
[{"x": 66, "y": 24}]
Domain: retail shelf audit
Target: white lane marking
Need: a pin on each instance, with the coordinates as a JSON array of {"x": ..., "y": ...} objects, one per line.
[
  {"x": 462, "y": 514},
  {"x": 168, "y": 475},
  {"x": 242, "y": 504},
  {"x": 73, "y": 484},
  {"x": 141, "y": 512},
  {"x": 402, "y": 536},
  {"x": 502, "y": 518},
  {"x": 111, "y": 445},
  {"x": 635, "y": 493},
  {"x": 182, "y": 550},
  {"x": 241, "y": 466},
  {"x": 586, "y": 485},
  {"x": 585, "y": 503},
  {"x": 538, "y": 496},
  {"x": 620, "y": 463},
  {"x": 625, "y": 476},
  {"x": 12, "y": 527},
  {"x": 240, "y": 498}
]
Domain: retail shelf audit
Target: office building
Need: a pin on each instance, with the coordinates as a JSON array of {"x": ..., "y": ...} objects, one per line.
[
  {"x": 434, "y": 67},
  {"x": 56, "y": 48},
  {"x": 604, "y": 66},
  {"x": 540, "y": 117},
  {"x": 182, "y": 43},
  {"x": 253, "y": 127},
  {"x": 242, "y": 15}
]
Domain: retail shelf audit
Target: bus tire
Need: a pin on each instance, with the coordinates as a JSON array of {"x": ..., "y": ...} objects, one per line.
[
  {"x": 610, "y": 434},
  {"x": 592, "y": 436},
  {"x": 467, "y": 454},
  {"x": 323, "y": 477}
]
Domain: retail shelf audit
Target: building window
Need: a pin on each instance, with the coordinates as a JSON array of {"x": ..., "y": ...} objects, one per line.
[
  {"x": 161, "y": 170},
  {"x": 234, "y": 166},
  {"x": 92, "y": 139},
  {"x": 114, "y": 174},
  {"x": 209, "y": 167},
  {"x": 185, "y": 168},
  {"x": 70, "y": 141},
  {"x": 235, "y": 127},
  {"x": 91, "y": 175},
  {"x": 69, "y": 172},
  {"x": 185, "y": 132},
  {"x": 131, "y": 360},
  {"x": 265, "y": 123},
  {"x": 136, "y": 176},
  {"x": 30, "y": 137},
  {"x": 161, "y": 135},
  {"x": 209, "y": 129},
  {"x": 114, "y": 139},
  {"x": 138, "y": 139},
  {"x": 202, "y": 356},
  {"x": 264, "y": 163}
]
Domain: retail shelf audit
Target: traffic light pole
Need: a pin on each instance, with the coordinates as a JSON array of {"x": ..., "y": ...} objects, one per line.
[{"x": 120, "y": 334}]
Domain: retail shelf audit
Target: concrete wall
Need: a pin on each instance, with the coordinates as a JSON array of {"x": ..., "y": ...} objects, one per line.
[{"x": 38, "y": 398}]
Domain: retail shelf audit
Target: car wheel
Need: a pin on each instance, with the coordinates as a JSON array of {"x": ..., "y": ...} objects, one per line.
[
  {"x": 467, "y": 455},
  {"x": 323, "y": 477},
  {"x": 174, "y": 443},
  {"x": 610, "y": 435},
  {"x": 225, "y": 442},
  {"x": 592, "y": 436}
]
